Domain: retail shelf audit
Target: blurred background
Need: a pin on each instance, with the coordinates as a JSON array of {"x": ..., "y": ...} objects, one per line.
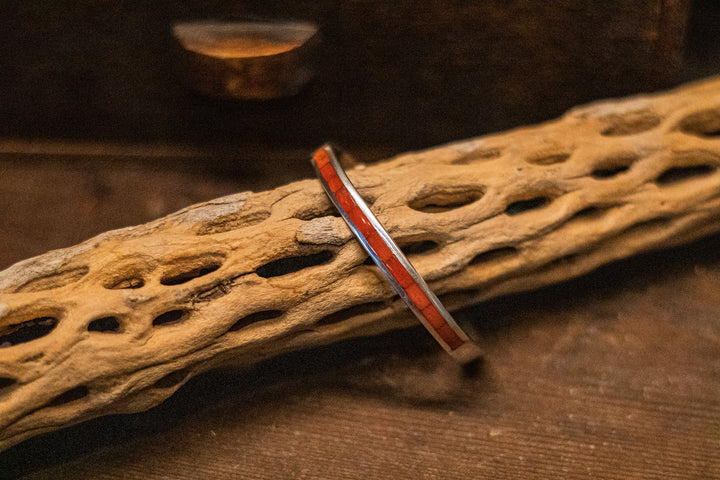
[
  {"x": 99, "y": 129},
  {"x": 401, "y": 75},
  {"x": 613, "y": 375}
]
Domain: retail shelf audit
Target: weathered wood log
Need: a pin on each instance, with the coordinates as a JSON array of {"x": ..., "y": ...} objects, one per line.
[{"x": 119, "y": 322}]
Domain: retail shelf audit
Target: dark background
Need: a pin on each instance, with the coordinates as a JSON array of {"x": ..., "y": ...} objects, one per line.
[
  {"x": 613, "y": 375},
  {"x": 398, "y": 74}
]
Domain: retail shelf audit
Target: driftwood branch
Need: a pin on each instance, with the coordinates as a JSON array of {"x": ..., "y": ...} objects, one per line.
[{"x": 118, "y": 323}]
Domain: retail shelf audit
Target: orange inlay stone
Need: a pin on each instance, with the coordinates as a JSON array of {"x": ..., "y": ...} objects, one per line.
[
  {"x": 328, "y": 171},
  {"x": 321, "y": 158},
  {"x": 345, "y": 200},
  {"x": 399, "y": 272},
  {"x": 378, "y": 244},
  {"x": 417, "y": 296},
  {"x": 435, "y": 319},
  {"x": 361, "y": 222},
  {"x": 433, "y": 316},
  {"x": 331, "y": 177},
  {"x": 450, "y": 337}
]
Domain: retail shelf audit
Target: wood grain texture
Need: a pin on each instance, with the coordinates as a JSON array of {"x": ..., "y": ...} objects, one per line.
[{"x": 120, "y": 322}]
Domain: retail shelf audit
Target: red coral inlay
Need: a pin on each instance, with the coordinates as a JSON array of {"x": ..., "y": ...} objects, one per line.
[
  {"x": 378, "y": 244},
  {"x": 399, "y": 272},
  {"x": 361, "y": 221},
  {"x": 417, "y": 296},
  {"x": 345, "y": 199},
  {"x": 433, "y": 316},
  {"x": 450, "y": 337},
  {"x": 331, "y": 177},
  {"x": 435, "y": 319},
  {"x": 321, "y": 158}
]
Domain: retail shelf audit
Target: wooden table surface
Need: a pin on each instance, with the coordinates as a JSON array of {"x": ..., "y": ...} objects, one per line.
[{"x": 613, "y": 375}]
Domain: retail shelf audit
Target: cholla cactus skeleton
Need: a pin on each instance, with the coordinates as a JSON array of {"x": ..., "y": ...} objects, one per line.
[{"x": 119, "y": 322}]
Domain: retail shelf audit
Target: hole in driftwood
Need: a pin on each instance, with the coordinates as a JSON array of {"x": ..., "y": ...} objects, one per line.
[
  {"x": 445, "y": 200},
  {"x": 54, "y": 280},
  {"x": 417, "y": 247},
  {"x": 350, "y": 312},
  {"x": 629, "y": 123},
  {"x": 171, "y": 379},
  {"x": 680, "y": 174},
  {"x": 609, "y": 172},
  {"x": 254, "y": 318},
  {"x": 522, "y": 206},
  {"x": 550, "y": 159},
  {"x": 284, "y": 266},
  {"x": 613, "y": 165},
  {"x": 7, "y": 382},
  {"x": 26, "y": 331},
  {"x": 186, "y": 276},
  {"x": 70, "y": 396},
  {"x": 170, "y": 317},
  {"x": 129, "y": 272},
  {"x": 705, "y": 123},
  {"x": 105, "y": 325},
  {"x": 500, "y": 253},
  {"x": 316, "y": 211},
  {"x": 588, "y": 213}
]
